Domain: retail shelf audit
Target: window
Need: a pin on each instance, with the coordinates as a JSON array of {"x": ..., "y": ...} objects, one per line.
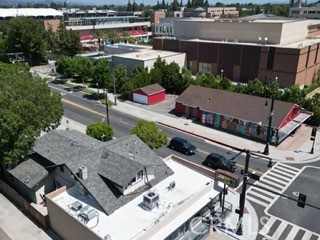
[
  {"x": 61, "y": 168},
  {"x": 204, "y": 67},
  {"x": 139, "y": 176}
]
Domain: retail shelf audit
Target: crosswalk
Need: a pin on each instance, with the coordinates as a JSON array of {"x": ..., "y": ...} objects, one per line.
[
  {"x": 277, "y": 180},
  {"x": 281, "y": 230}
]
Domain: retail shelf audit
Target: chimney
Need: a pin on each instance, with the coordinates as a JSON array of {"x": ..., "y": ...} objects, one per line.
[{"x": 83, "y": 172}]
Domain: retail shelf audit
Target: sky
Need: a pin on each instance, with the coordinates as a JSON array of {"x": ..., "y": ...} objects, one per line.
[{"x": 153, "y": 2}]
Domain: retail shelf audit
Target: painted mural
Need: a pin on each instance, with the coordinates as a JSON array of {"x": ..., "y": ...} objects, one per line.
[{"x": 234, "y": 125}]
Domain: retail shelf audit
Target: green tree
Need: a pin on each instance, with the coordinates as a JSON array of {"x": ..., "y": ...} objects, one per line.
[
  {"x": 120, "y": 76},
  {"x": 84, "y": 68},
  {"x": 27, "y": 35},
  {"x": 313, "y": 104},
  {"x": 100, "y": 130},
  {"x": 66, "y": 66},
  {"x": 102, "y": 74},
  {"x": 112, "y": 36},
  {"x": 68, "y": 41},
  {"x": 225, "y": 84},
  {"x": 255, "y": 87},
  {"x": 27, "y": 107},
  {"x": 149, "y": 133},
  {"x": 293, "y": 94}
]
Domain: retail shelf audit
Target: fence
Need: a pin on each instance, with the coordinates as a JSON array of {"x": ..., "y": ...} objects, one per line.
[{"x": 24, "y": 205}]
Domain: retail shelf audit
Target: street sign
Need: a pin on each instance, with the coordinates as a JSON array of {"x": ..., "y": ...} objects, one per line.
[
  {"x": 226, "y": 177},
  {"x": 251, "y": 175}
]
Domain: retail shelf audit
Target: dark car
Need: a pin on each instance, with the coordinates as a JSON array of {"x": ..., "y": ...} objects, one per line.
[
  {"x": 61, "y": 80},
  {"x": 182, "y": 145},
  {"x": 217, "y": 161}
]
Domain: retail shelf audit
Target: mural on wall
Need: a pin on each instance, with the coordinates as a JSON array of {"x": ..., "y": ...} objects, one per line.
[{"x": 233, "y": 125}]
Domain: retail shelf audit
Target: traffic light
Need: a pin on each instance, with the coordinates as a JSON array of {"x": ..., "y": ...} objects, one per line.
[{"x": 302, "y": 200}]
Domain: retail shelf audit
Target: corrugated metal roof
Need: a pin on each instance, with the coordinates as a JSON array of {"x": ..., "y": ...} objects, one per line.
[{"x": 29, "y": 12}]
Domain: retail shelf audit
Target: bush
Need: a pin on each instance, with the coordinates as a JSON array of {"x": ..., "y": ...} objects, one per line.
[
  {"x": 100, "y": 131},
  {"x": 149, "y": 133}
]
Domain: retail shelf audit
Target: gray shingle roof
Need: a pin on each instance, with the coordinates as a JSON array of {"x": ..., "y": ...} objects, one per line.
[
  {"x": 29, "y": 172},
  {"x": 117, "y": 161},
  {"x": 235, "y": 105}
]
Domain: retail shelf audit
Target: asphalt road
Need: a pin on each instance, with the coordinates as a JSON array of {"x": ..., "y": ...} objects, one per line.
[{"x": 83, "y": 108}]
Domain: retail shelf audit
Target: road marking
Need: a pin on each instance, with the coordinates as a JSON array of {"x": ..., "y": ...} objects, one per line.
[
  {"x": 256, "y": 201},
  {"x": 82, "y": 107},
  {"x": 293, "y": 233},
  {"x": 279, "y": 230},
  {"x": 282, "y": 173},
  {"x": 255, "y": 190}
]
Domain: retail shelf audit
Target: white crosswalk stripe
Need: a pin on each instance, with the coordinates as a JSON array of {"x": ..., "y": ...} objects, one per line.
[
  {"x": 272, "y": 229},
  {"x": 276, "y": 179}
]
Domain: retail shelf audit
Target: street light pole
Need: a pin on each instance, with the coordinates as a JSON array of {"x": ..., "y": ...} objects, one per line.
[
  {"x": 266, "y": 150},
  {"x": 114, "y": 85},
  {"x": 243, "y": 194},
  {"x": 221, "y": 73}
]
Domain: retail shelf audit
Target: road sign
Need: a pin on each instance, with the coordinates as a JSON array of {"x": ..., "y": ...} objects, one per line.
[{"x": 226, "y": 177}]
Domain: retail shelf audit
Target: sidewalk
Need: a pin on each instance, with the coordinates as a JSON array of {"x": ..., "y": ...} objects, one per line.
[{"x": 294, "y": 149}]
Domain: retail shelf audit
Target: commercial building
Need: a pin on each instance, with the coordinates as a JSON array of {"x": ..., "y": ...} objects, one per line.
[
  {"x": 245, "y": 49},
  {"x": 119, "y": 189},
  {"x": 241, "y": 114}
]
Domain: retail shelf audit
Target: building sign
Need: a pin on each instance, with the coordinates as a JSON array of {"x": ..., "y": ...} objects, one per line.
[{"x": 226, "y": 177}]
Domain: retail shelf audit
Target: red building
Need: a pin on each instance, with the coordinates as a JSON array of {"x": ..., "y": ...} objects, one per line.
[
  {"x": 150, "y": 94},
  {"x": 240, "y": 114}
]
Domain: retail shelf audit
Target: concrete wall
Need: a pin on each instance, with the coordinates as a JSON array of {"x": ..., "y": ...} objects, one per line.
[{"x": 243, "y": 30}]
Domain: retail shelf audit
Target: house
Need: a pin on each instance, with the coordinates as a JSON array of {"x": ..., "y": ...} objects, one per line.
[
  {"x": 118, "y": 189},
  {"x": 240, "y": 114},
  {"x": 149, "y": 95}
]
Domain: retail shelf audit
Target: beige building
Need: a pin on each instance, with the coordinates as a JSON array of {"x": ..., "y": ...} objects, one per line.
[{"x": 216, "y": 12}]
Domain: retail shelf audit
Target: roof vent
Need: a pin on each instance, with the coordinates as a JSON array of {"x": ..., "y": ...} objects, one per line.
[
  {"x": 105, "y": 154},
  {"x": 83, "y": 172},
  {"x": 151, "y": 200},
  {"x": 172, "y": 185}
]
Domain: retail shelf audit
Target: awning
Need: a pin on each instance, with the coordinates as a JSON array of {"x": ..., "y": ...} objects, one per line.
[{"x": 292, "y": 125}]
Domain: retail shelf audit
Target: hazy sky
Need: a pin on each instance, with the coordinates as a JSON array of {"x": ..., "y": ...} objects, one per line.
[{"x": 153, "y": 2}]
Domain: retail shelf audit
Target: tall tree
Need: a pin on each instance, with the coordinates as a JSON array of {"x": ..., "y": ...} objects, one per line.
[
  {"x": 84, "y": 69},
  {"x": 102, "y": 74},
  {"x": 27, "y": 35},
  {"x": 68, "y": 41},
  {"x": 27, "y": 107}
]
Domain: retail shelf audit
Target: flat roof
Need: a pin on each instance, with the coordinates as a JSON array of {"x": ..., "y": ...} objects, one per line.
[
  {"x": 29, "y": 12},
  {"x": 192, "y": 191},
  {"x": 148, "y": 54}
]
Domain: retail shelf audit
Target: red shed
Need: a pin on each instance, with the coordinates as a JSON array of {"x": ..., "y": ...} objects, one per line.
[{"x": 150, "y": 94}]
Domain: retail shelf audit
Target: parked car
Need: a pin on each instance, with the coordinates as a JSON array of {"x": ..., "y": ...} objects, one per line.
[
  {"x": 217, "y": 161},
  {"x": 182, "y": 145},
  {"x": 61, "y": 80}
]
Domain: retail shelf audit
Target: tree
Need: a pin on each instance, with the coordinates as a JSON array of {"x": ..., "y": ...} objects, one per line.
[
  {"x": 313, "y": 104},
  {"x": 68, "y": 41},
  {"x": 27, "y": 107},
  {"x": 84, "y": 68},
  {"x": 66, "y": 66},
  {"x": 293, "y": 94},
  {"x": 225, "y": 84},
  {"x": 102, "y": 74},
  {"x": 120, "y": 75},
  {"x": 149, "y": 133},
  {"x": 255, "y": 87},
  {"x": 112, "y": 36},
  {"x": 27, "y": 35},
  {"x": 100, "y": 130}
]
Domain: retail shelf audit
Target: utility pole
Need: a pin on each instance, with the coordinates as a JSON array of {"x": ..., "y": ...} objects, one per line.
[
  {"x": 243, "y": 194},
  {"x": 114, "y": 84},
  {"x": 266, "y": 150}
]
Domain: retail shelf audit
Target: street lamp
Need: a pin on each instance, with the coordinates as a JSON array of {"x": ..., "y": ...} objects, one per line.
[
  {"x": 272, "y": 112},
  {"x": 114, "y": 84},
  {"x": 221, "y": 73}
]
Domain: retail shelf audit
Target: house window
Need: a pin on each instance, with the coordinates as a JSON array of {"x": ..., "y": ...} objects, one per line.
[
  {"x": 204, "y": 67},
  {"x": 61, "y": 168}
]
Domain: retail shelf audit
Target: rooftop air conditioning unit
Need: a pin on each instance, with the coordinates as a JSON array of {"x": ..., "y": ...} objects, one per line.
[{"x": 151, "y": 200}]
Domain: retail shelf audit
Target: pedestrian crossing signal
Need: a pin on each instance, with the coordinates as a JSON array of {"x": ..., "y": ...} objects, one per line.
[
  {"x": 302, "y": 200},
  {"x": 313, "y": 134}
]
